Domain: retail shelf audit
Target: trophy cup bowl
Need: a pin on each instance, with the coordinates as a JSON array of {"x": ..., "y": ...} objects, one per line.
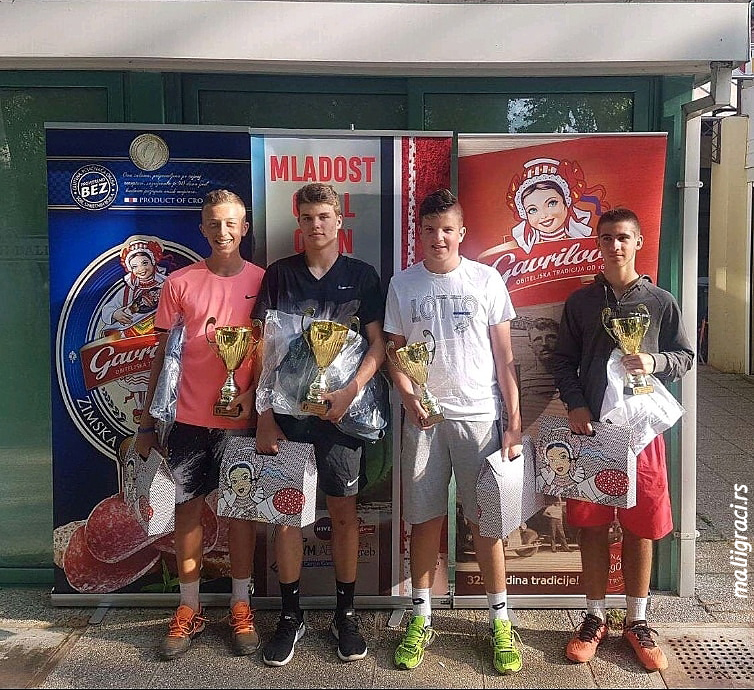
[
  {"x": 326, "y": 339},
  {"x": 232, "y": 344},
  {"x": 628, "y": 332},
  {"x": 414, "y": 360}
]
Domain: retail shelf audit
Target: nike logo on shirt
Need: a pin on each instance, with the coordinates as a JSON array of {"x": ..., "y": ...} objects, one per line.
[
  {"x": 250, "y": 296},
  {"x": 345, "y": 287},
  {"x": 352, "y": 482}
]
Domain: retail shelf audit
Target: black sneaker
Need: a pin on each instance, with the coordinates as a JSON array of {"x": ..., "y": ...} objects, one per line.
[
  {"x": 279, "y": 650},
  {"x": 345, "y": 628}
]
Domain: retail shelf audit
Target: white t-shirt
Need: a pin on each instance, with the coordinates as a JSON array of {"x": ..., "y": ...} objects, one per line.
[{"x": 457, "y": 308}]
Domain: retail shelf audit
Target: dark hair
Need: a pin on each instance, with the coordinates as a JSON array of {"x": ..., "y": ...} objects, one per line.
[
  {"x": 543, "y": 323},
  {"x": 241, "y": 466},
  {"x": 618, "y": 215},
  {"x": 545, "y": 184},
  {"x": 560, "y": 444},
  {"x": 438, "y": 202},
  {"x": 317, "y": 193}
]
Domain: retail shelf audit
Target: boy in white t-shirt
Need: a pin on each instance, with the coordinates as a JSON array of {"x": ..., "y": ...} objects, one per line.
[{"x": 466, "y": 307}]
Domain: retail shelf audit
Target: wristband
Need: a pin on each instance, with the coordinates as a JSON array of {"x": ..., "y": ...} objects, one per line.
[{"x": 148, "y": 430}]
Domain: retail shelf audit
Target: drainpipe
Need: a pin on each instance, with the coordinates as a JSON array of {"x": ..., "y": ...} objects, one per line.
[{"x": 719, "y": 96}]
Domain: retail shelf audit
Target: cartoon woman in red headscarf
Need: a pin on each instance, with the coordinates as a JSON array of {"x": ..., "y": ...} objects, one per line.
[
  {"x": 130, "y": 311},
  {"x": 135, "y": 302},
  {"x": 544, "y": 196}
]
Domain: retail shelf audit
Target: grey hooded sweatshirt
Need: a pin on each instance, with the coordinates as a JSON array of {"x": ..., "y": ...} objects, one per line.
[{"x": 579, "y": 363}]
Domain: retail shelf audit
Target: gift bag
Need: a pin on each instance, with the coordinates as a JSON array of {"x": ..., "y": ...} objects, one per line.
[
  {"x": 279, "y": 489},
  {"x": 150, "y": 491},
  {"x": 505, "y": 490},
  {"x": 648, "y": 414},
  {"x": 600, "y": 468}
]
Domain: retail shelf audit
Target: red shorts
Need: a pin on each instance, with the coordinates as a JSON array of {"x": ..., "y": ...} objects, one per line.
[{"x": 651, "y": 517}]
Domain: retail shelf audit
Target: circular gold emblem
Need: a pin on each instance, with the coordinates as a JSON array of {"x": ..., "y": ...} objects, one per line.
[{"x": 149, "y": 152}]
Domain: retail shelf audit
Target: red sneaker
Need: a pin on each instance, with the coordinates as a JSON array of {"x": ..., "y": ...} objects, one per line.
[
  {"x": 586, "y": 638},
  {"x": 639, "y": 635}
]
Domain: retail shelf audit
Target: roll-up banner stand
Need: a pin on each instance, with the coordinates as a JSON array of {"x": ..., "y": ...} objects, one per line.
[
  {"x": 531, "y": 205},
  {"x": 116, "y": 192}
]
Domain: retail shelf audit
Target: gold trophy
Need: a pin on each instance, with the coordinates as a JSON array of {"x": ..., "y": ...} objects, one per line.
[
  {"x": 414, "y": 360},
  {"x": 628, "y": 332},
  {"x": 326, "y": 340},
  {"x": 232, "y": 344}
]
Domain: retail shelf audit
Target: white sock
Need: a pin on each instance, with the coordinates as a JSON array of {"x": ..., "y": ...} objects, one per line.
[
  {"x": 422, "y": 601},
  {"x": 498, "y": 606},
  {"x": 241, "y": 590},
  {"x": 597, "y": 608},
  {"x": 636, "y": 609},
  {"x": 190, "y": 594}
]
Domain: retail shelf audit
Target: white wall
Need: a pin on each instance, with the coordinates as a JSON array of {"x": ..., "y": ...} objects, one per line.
[{"x": 415, "y": 38}]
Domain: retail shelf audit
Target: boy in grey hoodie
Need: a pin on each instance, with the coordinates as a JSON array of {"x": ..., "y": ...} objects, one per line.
[{"x": 579, "y": 367}]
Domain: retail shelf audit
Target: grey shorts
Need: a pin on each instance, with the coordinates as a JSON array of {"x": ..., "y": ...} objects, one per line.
[
  {"x": 429, "y": 457},
  {"x": 194, "y": 456}
]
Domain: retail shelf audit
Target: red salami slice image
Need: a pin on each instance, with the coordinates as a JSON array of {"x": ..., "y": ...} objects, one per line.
[
  {"x": 86, "y": 573},
  {"x": 145, "y": 509},
  {"x": 289, "y": 501},
  {"x": 209, "y": 537},
  {"x": 612, "y": 482},
  {"x": 113, "y": 532}
]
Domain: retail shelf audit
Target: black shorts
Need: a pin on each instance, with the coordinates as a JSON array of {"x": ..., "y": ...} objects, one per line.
[
  {"x": 341, "y": 461},
  {"x": 194, "y": 456}
]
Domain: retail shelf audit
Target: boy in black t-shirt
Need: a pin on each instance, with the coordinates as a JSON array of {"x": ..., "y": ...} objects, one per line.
[{"x": 337, "y": 287}]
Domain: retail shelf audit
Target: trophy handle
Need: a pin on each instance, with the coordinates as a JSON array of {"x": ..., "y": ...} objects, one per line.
[
  {"x": 607, "y": 315},
  {"x": 354, "y": 325},
  {"x": 430, "y": 350},
  {"x": 643, "y": 313},
  {"x": 211, "y": 321},
  {"x": 390, "y": 353},
  {"x": 309, "y": 311},
  {"x": 257, "y": 330}
]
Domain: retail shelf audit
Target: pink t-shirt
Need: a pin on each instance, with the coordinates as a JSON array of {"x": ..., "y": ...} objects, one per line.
[{"x": 198, "y": 294}]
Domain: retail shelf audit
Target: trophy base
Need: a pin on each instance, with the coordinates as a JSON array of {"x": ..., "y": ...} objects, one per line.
[
  {"x": 318, "y": 408},
  {"x": 219, "y": 410},
  {"x": 434, "y": 419},
  {"x": 638, "y": 390}
]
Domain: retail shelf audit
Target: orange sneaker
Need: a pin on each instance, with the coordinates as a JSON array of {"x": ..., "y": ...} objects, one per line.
[
  {"x": 184, "y": 626},
  {"x": 586, "y": 638},
  {"x": 245, "y": 637},
  {"x": 639, "y": 635}
]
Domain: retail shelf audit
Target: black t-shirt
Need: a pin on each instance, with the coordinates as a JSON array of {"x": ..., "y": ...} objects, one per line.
[{"x": 350, "y": 288}]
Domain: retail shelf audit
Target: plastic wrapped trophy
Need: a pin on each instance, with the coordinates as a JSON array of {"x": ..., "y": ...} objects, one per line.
[
  {"x": 232, "y": 344},
  {"x": 628, "y": 332},
  {"x": 414, "y": 360},
  {"x": 326, "y": 340}
]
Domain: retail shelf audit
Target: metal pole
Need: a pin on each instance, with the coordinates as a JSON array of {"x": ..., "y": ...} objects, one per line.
[{"x": 686, "y": 533}]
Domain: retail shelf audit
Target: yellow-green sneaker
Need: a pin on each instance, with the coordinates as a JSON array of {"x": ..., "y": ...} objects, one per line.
[
  {"x": 506, "y": 656},
  {"x": 418, "y": 637}
]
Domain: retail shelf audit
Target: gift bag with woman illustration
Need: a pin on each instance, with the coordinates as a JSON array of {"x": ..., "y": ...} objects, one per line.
[
  {"x": 149, "y": 489},
  {"x": 279, "y": 489},
  {"x": 505, "y": 492},
  {"x": 600, "y": 468}
]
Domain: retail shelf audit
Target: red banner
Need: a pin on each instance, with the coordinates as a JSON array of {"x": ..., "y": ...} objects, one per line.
[{"x": 531, "y": 205}]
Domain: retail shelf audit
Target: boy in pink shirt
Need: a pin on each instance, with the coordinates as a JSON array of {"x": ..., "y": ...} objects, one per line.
[{"x": 224, "y": 287}]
